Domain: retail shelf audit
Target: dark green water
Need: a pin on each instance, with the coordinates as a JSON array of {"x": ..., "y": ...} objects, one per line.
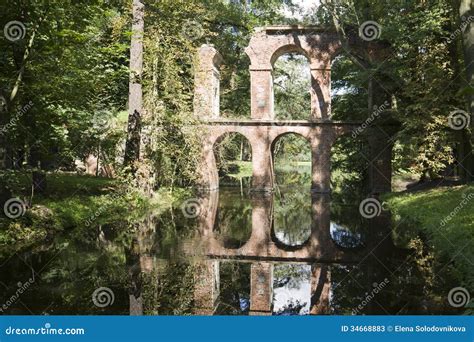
[{"x": 231, "y": 252}]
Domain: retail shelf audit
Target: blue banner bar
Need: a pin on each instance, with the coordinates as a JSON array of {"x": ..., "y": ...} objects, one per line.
[{"x": 227, "y": 328}]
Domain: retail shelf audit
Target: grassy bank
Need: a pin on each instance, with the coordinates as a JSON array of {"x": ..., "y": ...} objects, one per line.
[
  {"x": 71, "y": 203},
  {"x": 444, "y": 219}
]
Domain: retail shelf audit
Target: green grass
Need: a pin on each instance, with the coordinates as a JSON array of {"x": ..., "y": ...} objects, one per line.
[
  {"x": 444, "y": 217},
  {"x": 244, "y": 169},
  {"x": 70, "y": 202}
]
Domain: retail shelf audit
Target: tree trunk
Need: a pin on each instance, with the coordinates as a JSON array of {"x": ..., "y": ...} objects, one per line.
[
  {"x": 132, "y": 148},
  {"x": 38, "y": 185}
]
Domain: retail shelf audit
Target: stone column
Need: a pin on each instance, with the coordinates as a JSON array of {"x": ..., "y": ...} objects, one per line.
[
  {"x": 207, "y": 83},
  {"x": 320, "y": 94},
  {"x": 320, "y": 289},
  {"x": 261, "y": 288},
  {"x": 321, "y": 245},
  {"x": 258, "y": 244},
  {"x": 261, "y": 94},
  {"x": 262, "y": 165},
  {"x": 209, "y": 177},
  {"x": 206, "y": 290},
  {"x": 321, "y": 144}
]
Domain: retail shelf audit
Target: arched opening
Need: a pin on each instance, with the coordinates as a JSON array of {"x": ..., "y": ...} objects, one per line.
[
  {"x": 348, "y": 90},
  {"x": 234, "y": 288},
  {"x": 292, "y": 201},
  {"x": 291, "y": 289},
  {"x": 233, "y": 154},
  {"x": 349, "y": 183},
  {"x": 233, "y": 225},
  {"x": 292, "y": 87},
  {"x": 235, "y": 80}
]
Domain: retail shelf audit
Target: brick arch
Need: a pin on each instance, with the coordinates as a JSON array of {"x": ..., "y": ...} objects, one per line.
[
  {"x": 285, "y": 247},
  {"x": 220, "y": 133},
  {"x": 305, "y": 134},
  {"x": 209, "y": 165},
  {"x": 320, "y": 46},
  {"x": 286, "y": 49}
]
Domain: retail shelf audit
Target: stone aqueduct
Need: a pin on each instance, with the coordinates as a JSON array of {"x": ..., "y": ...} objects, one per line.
[{"x": 262, "y": 129}]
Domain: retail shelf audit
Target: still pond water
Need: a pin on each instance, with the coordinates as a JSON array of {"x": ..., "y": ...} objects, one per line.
[{"x": 229, "y": 252}]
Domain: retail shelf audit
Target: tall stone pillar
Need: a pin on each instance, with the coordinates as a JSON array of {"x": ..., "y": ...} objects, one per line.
[
  {"x": 206, "y": 290},
  {"x": 262, "y": 209},
  {"x": 261, "y": 94},
  {"x": 321, "y": 145},
  {"x": 320, "y": 94},
  {"x": 321, "y": 244},
  {"x": 261, "y": 288},
  {"x": 262, "y": 173},
  {"x": 209, "y": 177},
  {"x": 320, "y": 289},
  {"x": 207, "y": 83}
]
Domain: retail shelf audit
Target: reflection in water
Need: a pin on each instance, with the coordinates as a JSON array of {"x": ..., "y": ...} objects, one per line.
[
  {"x": 292, "y": 216},
  {"x": 344, "y": 237},
  {"x": 292, "y": 288},
  {"x": 288, "y": 253}
]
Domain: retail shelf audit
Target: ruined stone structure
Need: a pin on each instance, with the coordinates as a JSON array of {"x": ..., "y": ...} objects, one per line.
[
  {"x": 263, "y": 249},
  {"x": 261, "y": 129}
]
